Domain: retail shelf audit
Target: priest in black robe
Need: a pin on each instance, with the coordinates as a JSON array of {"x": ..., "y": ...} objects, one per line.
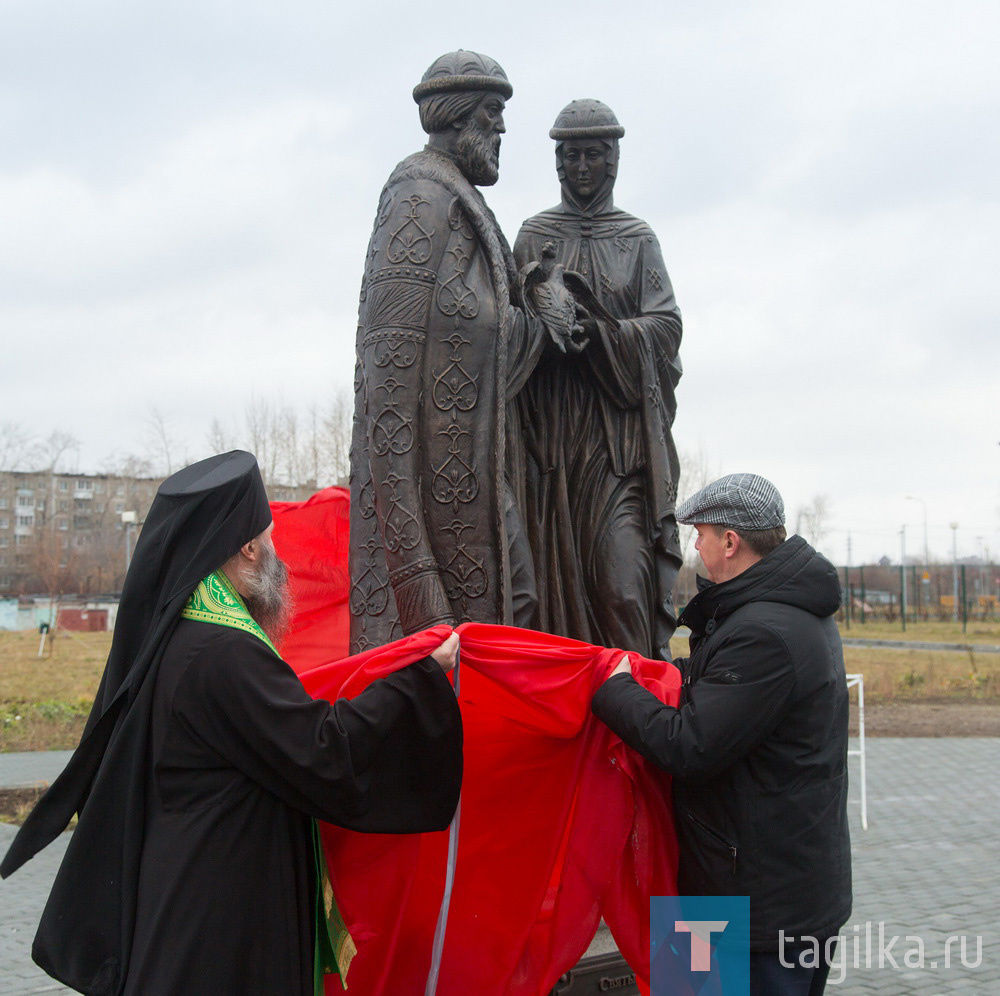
[{"x": 195, "y": 867}]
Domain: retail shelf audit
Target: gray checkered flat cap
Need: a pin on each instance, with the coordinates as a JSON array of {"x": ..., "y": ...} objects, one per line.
[{"x": 743, "y": 501}]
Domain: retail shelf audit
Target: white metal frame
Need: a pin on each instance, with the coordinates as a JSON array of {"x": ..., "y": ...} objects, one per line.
[{"x": 859, "y": 680}]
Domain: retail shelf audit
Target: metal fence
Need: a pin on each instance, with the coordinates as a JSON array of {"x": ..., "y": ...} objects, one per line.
[{"x": 918, "y": 593}]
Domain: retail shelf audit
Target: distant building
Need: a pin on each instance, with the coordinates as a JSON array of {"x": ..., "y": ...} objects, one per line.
[{"x": 63, "y": 533}]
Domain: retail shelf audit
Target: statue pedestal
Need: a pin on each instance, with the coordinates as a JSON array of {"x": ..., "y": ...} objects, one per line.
[{"x": 601, "y": 970}]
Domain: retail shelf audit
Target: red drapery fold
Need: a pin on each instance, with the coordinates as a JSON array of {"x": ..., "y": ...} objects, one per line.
[{"x": 561, "y": 824}]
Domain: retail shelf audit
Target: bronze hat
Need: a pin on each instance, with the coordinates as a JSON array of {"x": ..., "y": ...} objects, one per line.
[
  {"x": 587, "y": 118},
  {"x": 463, "y": 70}
]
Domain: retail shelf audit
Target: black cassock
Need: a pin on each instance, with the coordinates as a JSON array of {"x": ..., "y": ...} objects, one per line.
[
  {"x": 240, "y": 759},
  {"x": 203, "y": 760}
]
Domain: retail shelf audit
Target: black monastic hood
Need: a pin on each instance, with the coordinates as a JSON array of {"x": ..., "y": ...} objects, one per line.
[{"x": 200, "y": 517}]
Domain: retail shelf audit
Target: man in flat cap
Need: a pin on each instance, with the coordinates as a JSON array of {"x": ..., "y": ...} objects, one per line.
[
  {"x": 758, "y": 747},
  {"x": 441, "y": 348},
  {"x": 600, "y": 465},
  {"x": 195, "y": 866}
]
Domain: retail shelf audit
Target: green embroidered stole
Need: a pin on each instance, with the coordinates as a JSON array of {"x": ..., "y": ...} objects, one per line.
[{"x": 216, "y": 601}]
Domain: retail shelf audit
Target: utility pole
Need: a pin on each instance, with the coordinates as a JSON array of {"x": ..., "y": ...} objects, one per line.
[
  {"x": 128, "y": 521},
  {"x": 954, "y": 565},
  {"x": 927, "y": 556},
  {"x": 902, "y": 574}
]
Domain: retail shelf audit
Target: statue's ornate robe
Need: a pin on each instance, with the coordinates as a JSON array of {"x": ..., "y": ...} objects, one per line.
[{"x": 440, "y": 351}]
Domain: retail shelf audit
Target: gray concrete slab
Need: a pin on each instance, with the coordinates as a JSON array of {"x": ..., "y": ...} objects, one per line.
[
  {"x": 22, "y": 897},
  {"x": 925, "y": 872},
  {"x": 37, "y": 767}
]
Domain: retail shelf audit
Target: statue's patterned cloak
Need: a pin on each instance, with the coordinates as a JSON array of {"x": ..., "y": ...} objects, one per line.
[{"x": 440, "y": 351}]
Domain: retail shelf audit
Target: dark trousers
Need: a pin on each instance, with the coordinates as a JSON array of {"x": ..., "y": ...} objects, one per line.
[{"x": 769, "y": 977}]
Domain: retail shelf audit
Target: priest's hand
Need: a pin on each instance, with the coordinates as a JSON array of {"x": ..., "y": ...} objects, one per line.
[
  {"x": 447, "y": 654},
  {"x": 623, "y": 667}
]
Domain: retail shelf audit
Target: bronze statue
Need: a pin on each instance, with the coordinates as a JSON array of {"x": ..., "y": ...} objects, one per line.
[
  {"x": 600, "y": 468},
  {"x": 441, "y": 350}
]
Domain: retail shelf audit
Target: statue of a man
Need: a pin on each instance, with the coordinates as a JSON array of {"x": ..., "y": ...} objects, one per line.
[
  {"x": 600, "y": 466},
  {"x": 441, "y": 350}
]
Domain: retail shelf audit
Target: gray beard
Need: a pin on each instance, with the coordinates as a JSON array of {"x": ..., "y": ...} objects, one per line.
[
  {"x": 478, "y": 156},
  {"x": 268, "y": 598}
]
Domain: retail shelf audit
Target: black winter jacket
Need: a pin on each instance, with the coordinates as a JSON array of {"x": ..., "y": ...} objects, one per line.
[{"x": 758, "y": 749}]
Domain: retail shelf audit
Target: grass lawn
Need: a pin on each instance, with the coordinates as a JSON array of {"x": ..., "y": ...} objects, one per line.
[
  {"x": 977, "y": 631},
  {"x": 919, "y": 675},
  {"x": 45, "y": 701}
]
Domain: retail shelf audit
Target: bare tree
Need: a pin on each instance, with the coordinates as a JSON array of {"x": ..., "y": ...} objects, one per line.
[
  {"x": 812, "y": 520},
  {"x": 159, "y": 441},
  {"x": 337, "y": 424},
  {"x": 697, "y": 471},
  {"x": 260, "y": 433},
  {"x": 218, "y": 438},
  {"x": 18, "y": 448},
  {"x": 55, "y": 447}
]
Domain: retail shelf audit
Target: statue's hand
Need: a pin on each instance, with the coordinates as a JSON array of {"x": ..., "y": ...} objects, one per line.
[{"x": 579, "y": 336}]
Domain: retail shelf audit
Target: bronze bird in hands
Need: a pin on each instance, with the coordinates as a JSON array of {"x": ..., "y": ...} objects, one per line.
[{"x": 560, "y": 297}]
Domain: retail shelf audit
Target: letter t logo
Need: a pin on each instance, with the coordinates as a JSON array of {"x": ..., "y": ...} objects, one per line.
[{"x": 701, "y": 945}]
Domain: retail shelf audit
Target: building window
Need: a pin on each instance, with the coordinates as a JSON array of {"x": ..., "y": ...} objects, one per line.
[
  {"x": 63, "y": 504},
  {"x": 23, "y": 502},
  {"x": 25, "y": 520},
  {"x": 3, "y": 503},
  {"x": 20, "y": 540},
  {"x": 4, "y": 523},
  {"x": 4, "y": 540},
  {"x": 3, "y": 561},
  {"x": 40, "y": 507},
  {"x": 63, "y": 525},
  {"x": 64, "y": 485},
  {"x": 84, "y": 485},
  {"x": 119, "y": 507}
]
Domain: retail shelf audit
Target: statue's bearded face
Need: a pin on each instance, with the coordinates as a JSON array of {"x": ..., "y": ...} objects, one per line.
[
  {"x": 477, "y": 149},
  {"x": 585, "y": 164}
]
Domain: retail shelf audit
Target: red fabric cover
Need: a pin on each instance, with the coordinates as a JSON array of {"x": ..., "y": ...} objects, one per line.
[
  {"x": 560, "y": 823},
  {"x": 311, "y": 537}
]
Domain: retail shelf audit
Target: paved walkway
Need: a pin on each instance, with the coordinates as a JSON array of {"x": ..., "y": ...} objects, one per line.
[
  {"x": 965, "y": 648},
  {"x": 35, "y": 767},
  {"x": 925, "y": 871}
]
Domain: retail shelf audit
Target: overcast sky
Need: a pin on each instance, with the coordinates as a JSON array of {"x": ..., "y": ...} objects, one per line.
[{"x": 187, "y": 190}]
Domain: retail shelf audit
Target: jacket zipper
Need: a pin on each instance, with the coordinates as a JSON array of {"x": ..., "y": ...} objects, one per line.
[{"x": 731, "y": 848}]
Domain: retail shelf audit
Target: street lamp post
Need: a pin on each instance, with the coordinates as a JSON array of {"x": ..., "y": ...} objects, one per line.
[
  {"x": 128, "y": 521},
  {"x": 927, "y": 556},
  {"x": 954, "y": 565},
  {"x": 902, "y": 574}
]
